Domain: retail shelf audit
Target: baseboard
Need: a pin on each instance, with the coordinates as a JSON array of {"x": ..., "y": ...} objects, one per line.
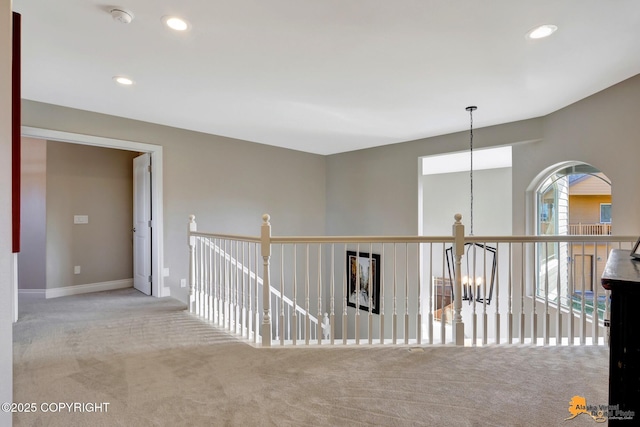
[
  {"x": 90, "y": 287},
  {"x": 40, "y": 293}
]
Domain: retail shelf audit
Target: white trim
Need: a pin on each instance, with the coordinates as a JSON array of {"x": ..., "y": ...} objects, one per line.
[
  {"x": 41, "y": 293},
  {"x": 78, "y": 138},
  {"x": 483, "y": 158},
  {"x": 157, "y": 247},
  {"x": 90, "y": 287},
  {"x": 14, "y": 278}
]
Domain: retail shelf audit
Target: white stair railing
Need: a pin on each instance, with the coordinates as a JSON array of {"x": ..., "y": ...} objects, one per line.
[
  {"x": 403, "y": 290},
  {"x": 226, "y": 290}
]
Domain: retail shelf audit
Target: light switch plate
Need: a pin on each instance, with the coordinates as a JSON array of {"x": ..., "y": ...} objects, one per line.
[{"x": 81, "y": 219}]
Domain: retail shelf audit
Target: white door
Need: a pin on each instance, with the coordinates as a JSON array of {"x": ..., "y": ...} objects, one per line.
[{"x": 142, "y": 223}]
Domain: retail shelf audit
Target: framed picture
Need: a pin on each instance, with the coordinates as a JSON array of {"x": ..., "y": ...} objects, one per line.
[
  {"x": 635, "y": 251},
  {"x": 363, "y": 281}
]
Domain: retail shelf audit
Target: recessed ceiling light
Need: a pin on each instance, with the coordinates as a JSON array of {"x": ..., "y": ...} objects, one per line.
[
  {"x": 175, "y": 23},
  {"x": 542, "y": 31},
  {"x": 124, "y": 81}
]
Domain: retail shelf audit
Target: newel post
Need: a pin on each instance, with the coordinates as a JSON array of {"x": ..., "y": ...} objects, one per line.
[
  {"x": 458, "y": 325},
  {"x": 265, "y": 238},
  {"x": 193, "y": 227}
]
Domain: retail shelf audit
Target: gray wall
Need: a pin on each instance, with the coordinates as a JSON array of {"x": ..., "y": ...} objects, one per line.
[
  {"x": 6, "y": 257},
  {"x": 375, "y": 191},
  {"x": 228, "y": 184},
  {"x": 450, "y": 192},
  {"x": 600, "y": 130},
  {"x": 33, "y": 215},
  {"x": 93, "y": 181}
]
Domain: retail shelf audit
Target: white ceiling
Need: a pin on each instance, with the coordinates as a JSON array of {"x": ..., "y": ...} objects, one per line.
[{"x": 327, "y": 76}]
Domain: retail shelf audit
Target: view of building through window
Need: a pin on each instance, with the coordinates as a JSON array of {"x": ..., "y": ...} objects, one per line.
[{"x": 574, "y": 200}]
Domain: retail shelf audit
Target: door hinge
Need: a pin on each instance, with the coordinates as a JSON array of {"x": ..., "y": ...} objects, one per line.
[
  {"x": 149, "y": 168},
  {"x": 150, "y": 277},
  {"x": 150, "y": 223}
]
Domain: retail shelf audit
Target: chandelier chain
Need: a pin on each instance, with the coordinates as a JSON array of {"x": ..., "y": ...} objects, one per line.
[{"x": 471, "y": 110}]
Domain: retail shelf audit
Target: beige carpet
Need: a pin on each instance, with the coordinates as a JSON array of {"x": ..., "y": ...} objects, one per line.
[{"x": 156, "y": 365}]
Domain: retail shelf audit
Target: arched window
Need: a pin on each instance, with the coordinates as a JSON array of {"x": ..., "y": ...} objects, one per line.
[{"x": 572, "y": 199}]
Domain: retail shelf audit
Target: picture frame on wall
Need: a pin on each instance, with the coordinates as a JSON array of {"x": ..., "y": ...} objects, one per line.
[{"x": 363, "y": 281}]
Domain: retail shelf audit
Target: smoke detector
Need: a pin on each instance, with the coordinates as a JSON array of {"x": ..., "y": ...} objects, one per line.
[{"x": 122, "y": 15}]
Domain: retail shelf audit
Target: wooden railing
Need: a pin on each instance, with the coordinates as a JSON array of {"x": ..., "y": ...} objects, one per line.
[
  {"x": 273, "y": 290},
  {"x": 580, "y": 229}
]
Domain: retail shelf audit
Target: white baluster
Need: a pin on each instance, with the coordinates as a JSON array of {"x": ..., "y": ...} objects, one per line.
[
  {"x": 419, "y": 320},
  {"x": 595, "y": 317},
  {"x": 332, "y": 313},
  {"x": 522, "y": 314},
  {"x": 255, "y": 304},
  {"x": 394, "y": 323},
  {"x": 381, "y": 284},
  {"x": 265, "y": 234},
  {"x": 431, "y": 289},
  {"x": 281, "y": 295},
  {"x": 199, "y": 279},
  {"x": 443, "y": 332},
  {"x": 484, "y": 295},
  {"x": 546, "y": 294},
  {"x": 583, "y": 314},
  {"x": 192, "y": 228},
  {"x": 558, "y": 300},
  {"x": 223, "y": 284},
  {"x": 345, "y": 292},
  {"x": 406, "y": 293},
  {"x": 326, "y": 327},
  {"x": 249, "y": 294},
  {"x": 307, "y": 324},
  {"x": 239, "y": 275},
  {"x": 458, "y": 325},
  {"x": 570, "y": 291},
  {"x": 358, "y": 275},
  {"x": 294, "y": 333},
  {"x": 371, "y": 295},
  {"x": 536, "y": 286},
  {"x": 497, "y": 289},
  {"x": 288, "y": 310},
  {"x": 319, "y": 325},
  {"x": 245, "y": 291},
  {"x": 475, "y": 291},
  {"x": 210, "y": 280},
  {"x": 510, "y": 298},
  {"x": 228, "y": 249},
  {"x": 219, "y": 285}
]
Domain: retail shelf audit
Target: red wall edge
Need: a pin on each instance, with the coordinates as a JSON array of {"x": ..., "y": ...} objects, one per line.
[{"x": 15, "y": 127}]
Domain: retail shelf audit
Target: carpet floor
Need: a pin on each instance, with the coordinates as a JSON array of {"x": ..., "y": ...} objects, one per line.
[{"x": 156, "y": 365}]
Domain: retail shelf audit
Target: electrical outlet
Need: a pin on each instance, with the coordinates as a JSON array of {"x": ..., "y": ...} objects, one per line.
[
  {"x": 76, "y": 269},
  {"x": 165, "y": 272},
  {"x": 183, "y": 283}
]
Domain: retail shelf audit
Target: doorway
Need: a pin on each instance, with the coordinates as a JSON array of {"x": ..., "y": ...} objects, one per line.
[{"x": 155, "y": 153}]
